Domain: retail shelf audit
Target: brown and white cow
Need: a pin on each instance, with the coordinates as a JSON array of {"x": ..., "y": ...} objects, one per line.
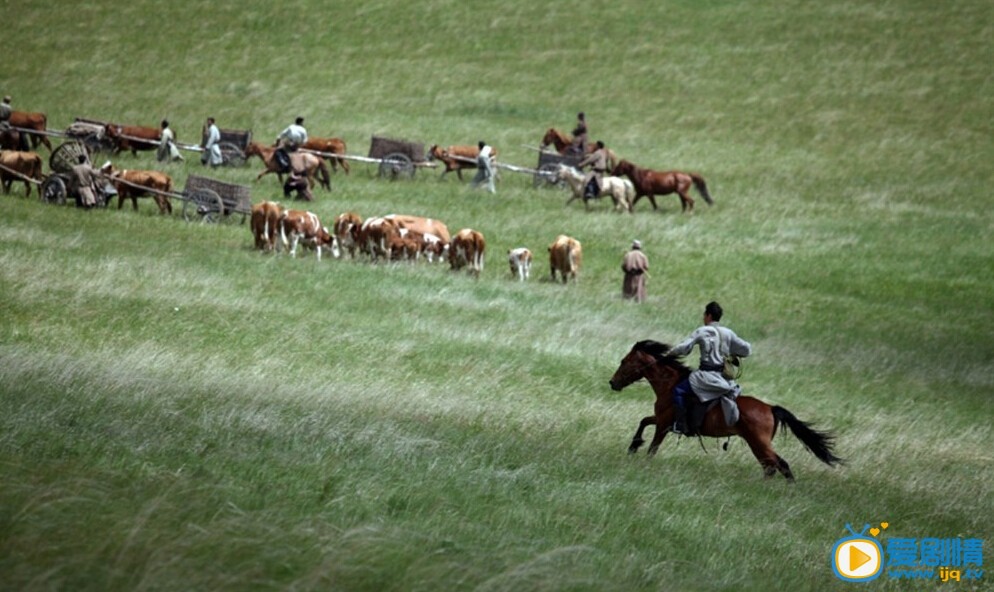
[
  {"x": 520, "y": 260},
  {"x": 565, "y": 256},
  {"x": 32, "y": 121},
  {"x": 433, "y": 234},
  {"x": 133, "y": 137},
  {"x": 346, "y": 231},
  {"x": 467, "y": 250},
  {"x": 131, "y": 184},
  {"x": 265, "y": 224},
  {"x": 22, "y": 166},
  {"x": 456, "y": 158},
  {"x": 299, "y": 225},
  {"x": 374, "y": 237}
]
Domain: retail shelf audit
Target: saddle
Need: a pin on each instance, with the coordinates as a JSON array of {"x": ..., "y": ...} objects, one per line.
[
  {"x": 697, "y": 410},
  {"x": 282, "y": 159}
]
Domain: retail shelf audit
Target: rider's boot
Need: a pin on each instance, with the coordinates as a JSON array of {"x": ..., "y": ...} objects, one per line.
[{"x": 680, "y": 420}]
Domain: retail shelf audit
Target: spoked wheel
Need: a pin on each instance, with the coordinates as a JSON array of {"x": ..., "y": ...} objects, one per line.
[
  {"x": 231, "y": 155},
  {"x": 203, "y": 204},
  {"x": 397, "y": 165},
  {"x": 53, "y": 190},
  {"x": 547, "y": 176}
]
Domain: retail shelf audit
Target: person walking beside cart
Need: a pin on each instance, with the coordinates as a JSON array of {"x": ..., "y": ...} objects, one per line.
[
  {"x": 212, "y": 146},
  {"x": 84, "y": 180},
  {"x": 635, "y": 265},
  {"x": 167, "y": 144},
  {"x": 484, "y": 168}
]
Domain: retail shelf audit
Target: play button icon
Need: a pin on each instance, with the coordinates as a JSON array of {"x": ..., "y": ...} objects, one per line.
[{"x": 857, "y": 559}]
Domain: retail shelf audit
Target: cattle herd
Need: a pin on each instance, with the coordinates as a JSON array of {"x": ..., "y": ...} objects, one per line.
[
  {"x": 392, "y": 238},
  {"x": 397, "y": 238}
]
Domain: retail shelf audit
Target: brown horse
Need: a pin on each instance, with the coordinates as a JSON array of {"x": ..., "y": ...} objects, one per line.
[
  {"x": 329, "y": 146},
  {"x": 652, "y": 183},
  {"x": 562, "y": 142},
  {"x": 757, "y": 422},
  {"x": 312, "y": 164}
]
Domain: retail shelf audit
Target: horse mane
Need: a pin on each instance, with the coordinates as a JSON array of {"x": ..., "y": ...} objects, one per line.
[{"x": 660, "y": 351}]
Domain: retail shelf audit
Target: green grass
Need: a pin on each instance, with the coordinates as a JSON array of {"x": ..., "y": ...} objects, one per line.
[{"x": 179, "y": 412}]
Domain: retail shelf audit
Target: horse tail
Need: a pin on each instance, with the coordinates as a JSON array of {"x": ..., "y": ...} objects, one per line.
[
  {"x": 702, "y": 187},
  {"x": 817, "y": 442},
  {"x": 325, "y": 178}
]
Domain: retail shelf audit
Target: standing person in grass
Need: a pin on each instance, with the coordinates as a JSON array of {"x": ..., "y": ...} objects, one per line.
[
  {"x": 484, "y": 168},
  {"x": 212, "y": 147},
  {"x": 707, "y": 382},
  {"x": 635, "y": 265}
]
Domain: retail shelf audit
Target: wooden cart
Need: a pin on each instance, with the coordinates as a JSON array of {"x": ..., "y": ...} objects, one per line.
[
  {"x": 212, "y": 201},
  {"x": 58, "y": 186},
  {"x": 546, "y": 174},
  {"x": 397, "y": 158}
]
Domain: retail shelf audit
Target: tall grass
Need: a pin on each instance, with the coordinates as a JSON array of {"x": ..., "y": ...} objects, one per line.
[{"x": 178, "y": 411}]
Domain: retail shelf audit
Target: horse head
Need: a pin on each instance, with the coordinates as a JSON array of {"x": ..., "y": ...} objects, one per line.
[
  {"x": 556, "y": 138},
  {"x": 644, "y": 358},
  {"x": 435, "y": 151},
  {"x": 622, "y": 168}
]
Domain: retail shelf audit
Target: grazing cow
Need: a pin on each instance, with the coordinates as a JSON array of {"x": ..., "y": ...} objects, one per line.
[
  {"x": 404, "y": 245},
  {"x": 565, "y": 255},
  {"x": 329, "y": 146},
  {"x": 456, "y": 158},
  {"x": 133, "y": 137},
  {"x": 433, "y": 234},
  {"x": 346, "y": 231},
  {"x": 33, "y": 121},
  {"x": 265, "y": 224},
  {"x": 134, "y": 184},
  {"x": 520, "y": 260},
  {"x": 374, "y": 236},
  {"x": 467, "y": 249},
  {"x": 298, "y": 224},
  {"x": 23, "y": 166}
]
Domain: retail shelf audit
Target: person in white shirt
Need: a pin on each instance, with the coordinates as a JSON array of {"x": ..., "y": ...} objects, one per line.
[
  {"x": 294, "y": 136},
  {"x": 212, "y": 147},
  {"x": 484, "y": 168}
]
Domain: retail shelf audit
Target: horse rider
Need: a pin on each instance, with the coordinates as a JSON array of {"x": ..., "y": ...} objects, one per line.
[
  {"x": 484, "y": 168},
  {"x": 212, "y": 147},
  {"x": 167, "y": 144},
  {"x": 707, "y": 382},
  {"x": 293, "y": 137},
  {"x": 580, "y": 134},
  {"x": 597, "y": 161}
]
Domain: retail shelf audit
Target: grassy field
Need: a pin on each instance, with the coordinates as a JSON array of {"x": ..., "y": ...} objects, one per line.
[{"x": 180, "y": 412}]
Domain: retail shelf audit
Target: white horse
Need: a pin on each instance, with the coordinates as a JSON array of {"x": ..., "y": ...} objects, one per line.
[{"x": 621, "y": 190}]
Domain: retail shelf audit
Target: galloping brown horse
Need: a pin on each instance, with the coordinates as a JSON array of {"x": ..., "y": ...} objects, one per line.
[
  {"x": 562, "y": 142},
  {"x": 652, "y": 183},
  {"x": 757, "y": 422},
  {"x": 312, "y": 164}
]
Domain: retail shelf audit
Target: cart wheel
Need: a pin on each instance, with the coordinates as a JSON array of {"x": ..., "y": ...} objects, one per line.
[
  {"x": 53, "y": 190},
  {"x": 204, "y": 204},
  {"x": 547, "y": 175},
  {"x": 396, "y": 165},
  {"x": 231, "y": 155}
]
